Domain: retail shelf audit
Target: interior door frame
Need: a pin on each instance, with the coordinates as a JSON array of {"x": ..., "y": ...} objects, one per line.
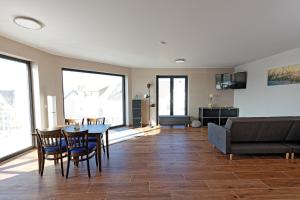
[{"x": 171, "y": 92}]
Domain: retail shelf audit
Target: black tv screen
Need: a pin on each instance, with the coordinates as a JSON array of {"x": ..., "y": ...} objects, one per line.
[
  {"x": 223, "y": 81},
  {"x": 237, "y": 80}
]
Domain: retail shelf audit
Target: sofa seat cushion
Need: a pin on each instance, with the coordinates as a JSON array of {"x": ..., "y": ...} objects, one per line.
[{"x": 259, "y": 148}]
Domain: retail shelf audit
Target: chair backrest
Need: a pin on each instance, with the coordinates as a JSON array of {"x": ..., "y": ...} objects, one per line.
[
  {"x": 76, "y": 139},
  {"x": 73, "y": 121},
  {"x": 48, "y": 138},
  {"x": 100, "y": 120},
  {"x": 70, "y": 121}
]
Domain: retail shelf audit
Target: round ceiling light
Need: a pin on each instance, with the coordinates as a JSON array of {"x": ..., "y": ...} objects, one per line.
[
  {"x": 162, "y": 42},
  {"x": 180, "y": 60},
  {"x": 29, "y": 23}
]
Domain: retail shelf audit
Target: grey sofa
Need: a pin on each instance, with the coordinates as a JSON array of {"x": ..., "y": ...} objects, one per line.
[{"x": 257, "y": 135}]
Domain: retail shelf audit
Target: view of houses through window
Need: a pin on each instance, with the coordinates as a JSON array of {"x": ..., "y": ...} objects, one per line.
[
  {"x": 89, "y": 94},
  {"x": 15, "y": 114}
]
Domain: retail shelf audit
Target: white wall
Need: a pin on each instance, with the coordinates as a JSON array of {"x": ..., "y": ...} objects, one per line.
[
  {"x": 262, "y": 100},
  {"x": 48, "y": 76},
  {"x": 48, "y": 80}
]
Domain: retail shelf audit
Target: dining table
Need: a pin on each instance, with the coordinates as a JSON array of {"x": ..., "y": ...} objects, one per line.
[{"x": 95, "y": 130}]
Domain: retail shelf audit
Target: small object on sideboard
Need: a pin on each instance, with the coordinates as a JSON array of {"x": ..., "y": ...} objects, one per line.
[{"x": 217, "y": 115}]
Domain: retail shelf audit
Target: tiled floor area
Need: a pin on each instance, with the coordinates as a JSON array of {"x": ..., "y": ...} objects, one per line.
[{"x": 168, "y": 163}]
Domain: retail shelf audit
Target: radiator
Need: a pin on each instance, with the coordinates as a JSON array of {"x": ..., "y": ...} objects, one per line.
[{"x": 174, "y": 120}]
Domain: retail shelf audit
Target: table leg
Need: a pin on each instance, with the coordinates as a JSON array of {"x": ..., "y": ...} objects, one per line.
[
  {"x": 99, "y": 151},
  {"x": 107, "y": 144}
]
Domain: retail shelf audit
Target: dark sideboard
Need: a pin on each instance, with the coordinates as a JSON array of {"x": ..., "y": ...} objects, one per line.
[{"x": 217, "y": 115}]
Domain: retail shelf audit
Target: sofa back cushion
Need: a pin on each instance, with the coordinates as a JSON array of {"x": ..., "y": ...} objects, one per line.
[
  {"x": 260, "y": 129},
  {"x": 243, "y": 131},
  {"x": 294, "y": 133},
  {"x": 274, "y": 131}
]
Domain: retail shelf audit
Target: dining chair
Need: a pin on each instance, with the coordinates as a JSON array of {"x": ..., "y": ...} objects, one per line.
[
  {"x": 73, "y": 121},
  {"x": 79, "y": 149},
  {"x": 91, "y": 121},
  {"x": 52, "y": 146}
]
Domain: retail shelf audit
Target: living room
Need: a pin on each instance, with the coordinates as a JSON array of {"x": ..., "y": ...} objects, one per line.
[{"x": 59, "y": 59}]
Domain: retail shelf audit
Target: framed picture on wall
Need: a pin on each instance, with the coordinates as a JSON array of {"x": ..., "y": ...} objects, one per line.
[{"x": 284, "y": 75}]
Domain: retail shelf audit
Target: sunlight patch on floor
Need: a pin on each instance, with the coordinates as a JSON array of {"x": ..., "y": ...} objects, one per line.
[
  {"x": 4, "y": 176},
  {"x": 24, "y": 164}
]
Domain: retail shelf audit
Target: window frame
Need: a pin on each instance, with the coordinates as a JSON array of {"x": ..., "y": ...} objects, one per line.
[
  {"x": 171, "y": 93},
  {"x": 101, "y": 73},
  {"x": 31, "y": 105}
]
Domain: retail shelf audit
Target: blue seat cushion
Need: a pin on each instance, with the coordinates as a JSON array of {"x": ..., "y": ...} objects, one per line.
[
  {"x": 53, "y": 149},
  {"x": 63, "y": 143},
  {"x": 91, "y": 147}
]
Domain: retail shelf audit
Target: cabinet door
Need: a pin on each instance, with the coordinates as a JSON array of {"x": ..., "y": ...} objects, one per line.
[
  {"x": 210, "y": 120},
  {"x": 136, "y": 104},
  {"x": 223, "y": 121},
  {"x": 136, "y": 113},
  {"x": 211, "y": 112},
  {"x": 229, "y": 112},
  {"x": 137, "y": 122}
]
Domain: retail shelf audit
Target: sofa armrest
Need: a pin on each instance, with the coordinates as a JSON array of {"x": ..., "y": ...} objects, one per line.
[{"x": 220, "y": 137}]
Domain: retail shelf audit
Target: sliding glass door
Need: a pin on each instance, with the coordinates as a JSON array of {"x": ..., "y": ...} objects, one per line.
[
  {"x": 94, "y": 94},
  {"x": 15, "y": 106},
  {"x": 172, "y": 95}
]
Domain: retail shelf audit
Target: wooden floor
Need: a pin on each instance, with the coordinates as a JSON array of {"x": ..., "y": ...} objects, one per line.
[{"x": 167, "y": 164}]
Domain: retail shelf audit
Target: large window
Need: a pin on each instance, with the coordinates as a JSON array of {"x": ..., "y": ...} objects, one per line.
[
  {"x": 93, "y": 94},
  {"x": 172, "y": 95},
  {"x": 15, "y": 106}
]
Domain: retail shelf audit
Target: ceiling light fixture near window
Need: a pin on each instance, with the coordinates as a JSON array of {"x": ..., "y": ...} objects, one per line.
[
  {"x": 162, "y": 42},
  {"x": 28, "y": 22},
  {"x": 180, "y": 60}
]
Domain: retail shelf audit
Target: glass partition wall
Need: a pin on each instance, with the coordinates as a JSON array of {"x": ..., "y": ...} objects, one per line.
[
  {"x": 94, "y": 94},
  {"x": 15, "y": 106}
]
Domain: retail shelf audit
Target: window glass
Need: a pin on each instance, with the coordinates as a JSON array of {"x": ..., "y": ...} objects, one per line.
[
  {"x": 15, "y": 112},
  {"x": 164, "y": 96},
  {"x": 179, "y": 96},
  {"x": 89, "y": 94}
]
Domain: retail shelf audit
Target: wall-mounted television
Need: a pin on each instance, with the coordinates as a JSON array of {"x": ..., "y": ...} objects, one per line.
[
  {"x": 236, "y": 80},
  {"x": 239, "y": 80}
]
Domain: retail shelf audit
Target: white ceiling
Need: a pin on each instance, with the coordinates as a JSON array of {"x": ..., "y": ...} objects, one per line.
[{"x": 208, "y": 33}]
